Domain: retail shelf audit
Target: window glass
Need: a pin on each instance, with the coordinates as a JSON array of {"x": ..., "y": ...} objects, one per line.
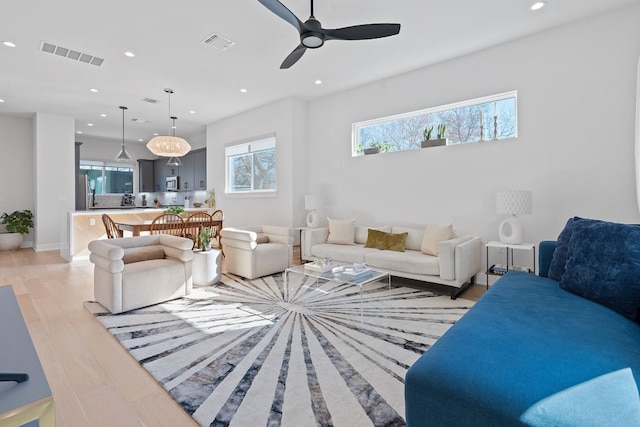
[
  {"x": 107, "y": 178},
  {"x": 491, "y": 117},
  {"x": 251, "y": 166}
]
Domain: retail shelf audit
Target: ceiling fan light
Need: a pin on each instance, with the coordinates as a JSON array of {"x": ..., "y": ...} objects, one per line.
[
  {"x": 168, "y": 146},
  {"x": 312, "y": 41}
]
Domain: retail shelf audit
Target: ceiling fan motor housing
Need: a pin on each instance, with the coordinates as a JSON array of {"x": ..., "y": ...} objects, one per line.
[{"x": 312, "y": 38}]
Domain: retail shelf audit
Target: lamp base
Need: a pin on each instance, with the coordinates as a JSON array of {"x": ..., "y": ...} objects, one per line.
[
  {"x": 511, "y": 231},
  {"x": 313, "y": 219}
]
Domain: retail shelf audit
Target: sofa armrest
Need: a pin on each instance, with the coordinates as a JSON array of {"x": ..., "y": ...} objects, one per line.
[
  {"x": 311, "y": 237},
  {"x": 278, "y": 234},
  {"x": 460, "y": 258},
  {"x": 106, "y": 250},
  {"x": 241, "y": 239},
  {"x": 545, "y": 255}
]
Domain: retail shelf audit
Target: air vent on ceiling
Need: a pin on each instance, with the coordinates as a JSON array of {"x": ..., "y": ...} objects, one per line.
[
  {"x": 139, "y": 120},
  {"x": 71, "y": 54},
  {"x": 219, "y": 42},
  {"x": 150, "y": 100}
]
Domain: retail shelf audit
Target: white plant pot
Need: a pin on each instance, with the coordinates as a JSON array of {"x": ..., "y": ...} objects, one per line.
[{"x": 10, "y": 241}]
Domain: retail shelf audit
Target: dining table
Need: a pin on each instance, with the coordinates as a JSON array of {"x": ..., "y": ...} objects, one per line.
[{"x": 138, "y": 226}]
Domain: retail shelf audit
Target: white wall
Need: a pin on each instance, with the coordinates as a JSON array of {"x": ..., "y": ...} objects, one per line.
[
  {"x": 576, "y": 105},
  {"x": 17, "y": 171},
  {"x": 54, "y": 153},
  {"x": 285, "y": 120}
]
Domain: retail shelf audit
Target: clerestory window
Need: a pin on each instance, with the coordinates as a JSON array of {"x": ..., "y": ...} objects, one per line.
[{"x": 475, "y": 120}]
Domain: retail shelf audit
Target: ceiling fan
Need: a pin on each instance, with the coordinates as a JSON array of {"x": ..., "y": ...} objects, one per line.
[{"x": 312, "y": 35}]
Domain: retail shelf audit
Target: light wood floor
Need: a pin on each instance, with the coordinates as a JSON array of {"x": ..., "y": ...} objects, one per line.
[{"x": 95, "y": 382}]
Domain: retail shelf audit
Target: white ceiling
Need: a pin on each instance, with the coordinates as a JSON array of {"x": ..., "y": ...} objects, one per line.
[{"x": 167, "y": 35}]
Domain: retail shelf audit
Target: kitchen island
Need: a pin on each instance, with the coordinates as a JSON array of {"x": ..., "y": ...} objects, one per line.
[{"x": 86, "y": 226}]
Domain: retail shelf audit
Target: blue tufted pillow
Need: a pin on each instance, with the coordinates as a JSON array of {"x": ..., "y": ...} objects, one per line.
[
  {"x": 559, "y": 258},
  {"x": 603, "y": 265}
]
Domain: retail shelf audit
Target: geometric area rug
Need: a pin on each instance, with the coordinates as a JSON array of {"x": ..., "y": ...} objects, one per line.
[{"x": 318, "y": 353}]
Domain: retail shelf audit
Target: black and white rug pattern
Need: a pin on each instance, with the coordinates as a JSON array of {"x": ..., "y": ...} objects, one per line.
[{"x": 311, "y": 353}]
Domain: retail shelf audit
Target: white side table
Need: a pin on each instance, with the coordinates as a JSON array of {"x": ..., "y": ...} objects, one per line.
[
  {"x": 509, "y": 252},
  {"x": 206, "y": 267}
]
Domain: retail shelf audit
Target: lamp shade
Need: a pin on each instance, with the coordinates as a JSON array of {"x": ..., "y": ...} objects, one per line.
[
  {"x": 514, "y": 202},
  {"x": 168, "y": 146},
  {"x": 313, "y": 202}
]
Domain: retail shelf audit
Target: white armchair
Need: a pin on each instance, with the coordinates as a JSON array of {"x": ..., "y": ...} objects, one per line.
[
  {"x": 257, "y": 251},
  {"x": 134, "y": 272}
]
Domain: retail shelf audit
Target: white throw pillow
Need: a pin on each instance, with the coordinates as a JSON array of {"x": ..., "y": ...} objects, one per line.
[
  {"x": 433, "y": 235},
  {"x": 342, "y": 231}
]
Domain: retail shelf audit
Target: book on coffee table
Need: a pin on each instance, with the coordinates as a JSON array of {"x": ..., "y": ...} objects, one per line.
[{"x": 356, "y": 274}]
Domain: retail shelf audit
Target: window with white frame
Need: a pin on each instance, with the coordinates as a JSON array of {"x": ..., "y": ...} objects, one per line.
[
  {"x": 251, "y": 167},
  {"x": 480, "y": 119},
  {"x": 108, "y": 178}
]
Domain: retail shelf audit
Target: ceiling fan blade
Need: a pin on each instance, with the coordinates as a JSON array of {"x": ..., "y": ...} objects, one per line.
[
  {"x": 281, "y": 10},
  {"x": 294, "y": 56},
  {"x": 362, "y": 32}
]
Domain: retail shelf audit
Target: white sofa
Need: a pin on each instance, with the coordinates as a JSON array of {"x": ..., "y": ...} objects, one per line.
[
  {"x": 258, "y": 250},
  {"x": 457, "y": 263},
  {"x": 134, "y": 272}
]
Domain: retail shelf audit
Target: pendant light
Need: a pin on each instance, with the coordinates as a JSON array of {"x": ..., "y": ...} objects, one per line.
[
  {"x": 123, "y": 155},
  {"x": 168, "y": 146},
  {"x": 174, "y": 161}
]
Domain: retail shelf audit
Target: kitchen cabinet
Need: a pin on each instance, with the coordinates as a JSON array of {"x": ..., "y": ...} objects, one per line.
[
  {"x": 186, "y": 173},
  {"x": 159, "y": 166},
  {"x": 200, "y": 170},
  {"x": 146, "y": 176}
]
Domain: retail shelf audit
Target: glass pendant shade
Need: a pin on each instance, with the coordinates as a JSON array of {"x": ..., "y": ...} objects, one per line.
[
  {"x": 123, "y": 155},
  {"x": 174, "y": 161}
]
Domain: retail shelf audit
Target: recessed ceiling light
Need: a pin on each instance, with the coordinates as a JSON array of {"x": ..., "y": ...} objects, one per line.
[
  {"x": 103, "y": 115},
  {"x": 1, "y": 100},
  {"x": 140, "y": 139},
  {"x": 79, "y": 131},
  {"x": 93, "y": 90},
  {"x": 155, "y": 134},
  {"x": 243, "y": 90},
  {"x": 9, "y": 44},
  {"x": 538, "y": 5},
  {"x": 192, "y": 112},
  {"x": 318, "y": 82},
  {"x": 89, "y": 124},
  {"x": 129, "y": 54}
]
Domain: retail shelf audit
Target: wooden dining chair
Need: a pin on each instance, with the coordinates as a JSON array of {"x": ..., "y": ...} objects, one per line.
[
  {"x": 167, "y": 223},
  {"x": 217, "y": 218},
  {"x": 194, "y": 224},
  {"x": 113, "y": 232}
]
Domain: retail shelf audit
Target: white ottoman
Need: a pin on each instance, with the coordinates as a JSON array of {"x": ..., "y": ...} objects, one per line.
[{"x": 206, "y": 267}]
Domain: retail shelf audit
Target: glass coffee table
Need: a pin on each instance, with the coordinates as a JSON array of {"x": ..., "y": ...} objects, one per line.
[{"x": 371, "y": 275}]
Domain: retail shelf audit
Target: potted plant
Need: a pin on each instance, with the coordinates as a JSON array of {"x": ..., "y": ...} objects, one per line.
[
  {"x": 175, "y": 209},
  {"x": 440, "y": 137},
  {"x": 16, "y": 225},
  {"x": 377, "y": 147},
  {"x": 144, "y": 200},
  {"x": 205, "y": 238}
]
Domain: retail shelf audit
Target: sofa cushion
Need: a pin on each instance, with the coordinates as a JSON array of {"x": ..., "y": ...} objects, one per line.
[
  {"x": 408, "y": 262},
  {"x": 362, "y": 232},
  {"x": 433, "y": 235},
  {"x": 414, "y": 237},
  {"x": 142, "y": 253},
  {"x": 559, "y": 258},
  {"x": 342, "y": 231},
  {"x": 342, "y": 253},
  {"x": 603, "y": 265},
  {"x": 262, "y": 238},
  {"x": 389, "y": 241}
]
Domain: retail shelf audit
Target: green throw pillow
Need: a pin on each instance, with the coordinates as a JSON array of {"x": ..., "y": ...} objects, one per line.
[{"x": 389, "y": 241}]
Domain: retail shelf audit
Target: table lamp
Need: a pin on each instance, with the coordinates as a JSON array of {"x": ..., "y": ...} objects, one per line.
[
  {"x": 313, "y": 202},
  {"x": 513, "y": 202}
]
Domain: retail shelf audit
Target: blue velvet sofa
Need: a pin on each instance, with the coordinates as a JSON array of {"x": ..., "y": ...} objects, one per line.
[{"x": 532, "y": 353}]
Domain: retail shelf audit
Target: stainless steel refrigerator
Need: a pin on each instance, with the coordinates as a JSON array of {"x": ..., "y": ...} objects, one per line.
[{"x": 83, "y": 193}]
